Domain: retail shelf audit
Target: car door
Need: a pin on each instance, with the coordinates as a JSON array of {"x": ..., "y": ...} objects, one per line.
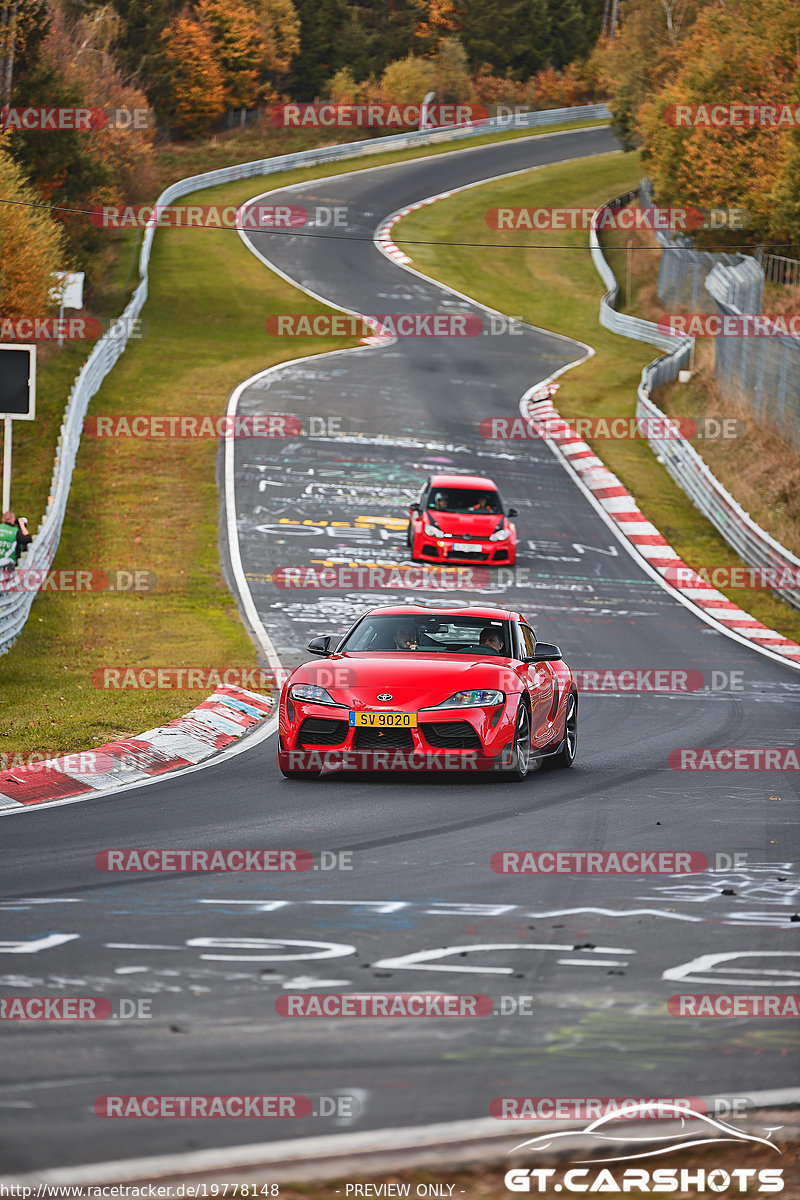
[{"x": 540, "y": 682}]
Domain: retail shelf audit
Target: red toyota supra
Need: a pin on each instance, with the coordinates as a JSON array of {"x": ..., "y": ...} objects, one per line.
[
  {"x": 410, "y": 687},
  {"x": 461, "y": 519}
]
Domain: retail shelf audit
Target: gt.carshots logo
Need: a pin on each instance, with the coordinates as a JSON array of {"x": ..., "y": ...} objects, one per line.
[{"x": 697, "y": 1128}]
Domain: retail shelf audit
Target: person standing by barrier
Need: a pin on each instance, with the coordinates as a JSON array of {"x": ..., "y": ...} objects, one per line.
[{"x": 14, "y": 538}]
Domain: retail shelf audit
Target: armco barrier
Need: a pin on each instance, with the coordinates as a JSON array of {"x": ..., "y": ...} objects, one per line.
[
  {"x": 753, "y": 544},
  {"x": 15, "y": 606}
]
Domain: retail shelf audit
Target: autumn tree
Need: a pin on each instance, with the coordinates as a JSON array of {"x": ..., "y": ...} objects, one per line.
[
  {"x": 441, "y": 19},
  {"x": 32, "y": 245},
  {"x": 190, "y": 87},
  {"x": 745, "y": 52}
]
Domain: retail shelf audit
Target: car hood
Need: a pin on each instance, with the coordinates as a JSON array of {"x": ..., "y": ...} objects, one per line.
[
  {"x": 479, "y": 524},
  {"x": 412, "y": 678}
]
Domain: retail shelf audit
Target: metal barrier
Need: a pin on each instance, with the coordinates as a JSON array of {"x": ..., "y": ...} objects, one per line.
[
  {"x": 752, "y": 543},
  {"x": 765, "y": 369},
  {"x": 15, "y": 605}
]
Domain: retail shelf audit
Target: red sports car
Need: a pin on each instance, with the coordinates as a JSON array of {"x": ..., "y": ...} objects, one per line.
[
  {"x": 461, "y": 519},
  {"x": 410, "y": 687}
]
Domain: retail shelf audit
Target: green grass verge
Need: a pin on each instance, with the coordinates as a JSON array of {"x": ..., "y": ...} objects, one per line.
[
  {"x": 548, "y": 279},
  {"x": 147, "y": 504}
]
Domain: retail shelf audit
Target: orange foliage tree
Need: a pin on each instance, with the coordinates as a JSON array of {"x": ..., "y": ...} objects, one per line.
[
  {"x": 192, "y": 84},
  {"x": 32, "y": 245},
  {"x": 744, "y": 53}
]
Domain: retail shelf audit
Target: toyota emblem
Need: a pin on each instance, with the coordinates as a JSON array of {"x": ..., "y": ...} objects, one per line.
[{"x": 384, "y": 695}]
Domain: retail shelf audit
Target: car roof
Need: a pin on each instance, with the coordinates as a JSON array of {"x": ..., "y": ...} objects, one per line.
[
  {"x": 482, "y": 611},
  {"x": 462, "y": 481}
]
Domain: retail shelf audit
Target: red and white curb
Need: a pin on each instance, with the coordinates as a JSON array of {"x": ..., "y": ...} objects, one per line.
[
  {"x": 643, "y": 536},
  {"x": 383, "y": 233},
  {"x": 214, "y": 725}
]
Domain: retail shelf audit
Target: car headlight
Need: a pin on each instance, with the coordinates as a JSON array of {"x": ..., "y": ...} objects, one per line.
[
  {"x": 310, "y": 691},
  {"x": 432, "y": 531},
  {"x": 502, "y": 535},
  {"x": 478, "y": 698}
]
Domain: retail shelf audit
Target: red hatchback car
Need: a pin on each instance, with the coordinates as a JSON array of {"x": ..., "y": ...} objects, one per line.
[
  {"x": 461, "y": 519},
  {"x": 416, "y": 688}
]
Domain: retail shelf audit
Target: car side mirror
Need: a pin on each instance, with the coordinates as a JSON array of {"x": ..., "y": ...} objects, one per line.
[
  {"x": 512, "y": 512},
  {"x": 321, "y": 645},
  {"x": 413, "y": 507},
  {"x": 545, "y": 652}
]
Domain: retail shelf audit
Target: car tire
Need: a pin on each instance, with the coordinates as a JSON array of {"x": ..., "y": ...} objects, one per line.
[
  {"x": 569, "y": 748},
  {"x": 409, "y": 538},
  {"x": 521, "y": 746}
]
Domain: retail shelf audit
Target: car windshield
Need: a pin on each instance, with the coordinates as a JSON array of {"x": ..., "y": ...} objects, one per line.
[
  {"x": 464, "y": 500},
  {"x": 447, "y": 634}
]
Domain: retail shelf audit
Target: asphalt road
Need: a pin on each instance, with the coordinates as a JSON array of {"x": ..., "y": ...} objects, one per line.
[{"x": 213, "y": 952}]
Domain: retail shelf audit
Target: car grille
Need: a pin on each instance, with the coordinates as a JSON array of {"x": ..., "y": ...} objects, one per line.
[
  {"x": 451, "y": 735},
  {"x": 382, "y": 739},
  {"x": 476, "y": 553},
  {"x": 501, "y": 556},
  {"x": 322, "y": 731}
]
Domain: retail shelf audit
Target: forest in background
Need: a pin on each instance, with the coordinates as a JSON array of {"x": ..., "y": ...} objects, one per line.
[{"x": 192, "y": 63}]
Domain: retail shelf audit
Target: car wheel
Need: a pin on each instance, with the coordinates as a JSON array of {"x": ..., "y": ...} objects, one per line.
[
  {"x": 521, "y": 751},
  {"x": 566, "y": 755},
  {"x": 409, "y": 538}
]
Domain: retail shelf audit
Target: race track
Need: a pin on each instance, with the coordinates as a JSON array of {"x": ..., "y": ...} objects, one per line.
[{"x": 591, "y": 951}]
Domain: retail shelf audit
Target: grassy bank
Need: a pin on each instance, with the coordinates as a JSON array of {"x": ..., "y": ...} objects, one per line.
[{"x": 548, "y": 279}]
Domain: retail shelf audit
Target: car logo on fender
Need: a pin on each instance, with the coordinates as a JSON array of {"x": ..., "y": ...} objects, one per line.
[{"x": 384, "y": 696}]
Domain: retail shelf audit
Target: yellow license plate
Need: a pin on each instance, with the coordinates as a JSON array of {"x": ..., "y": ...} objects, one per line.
[{"x": 384, "y": 720}]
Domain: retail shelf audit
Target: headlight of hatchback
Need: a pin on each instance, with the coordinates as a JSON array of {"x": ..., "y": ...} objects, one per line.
[
  {"x": 432, "y": 531},
  {"x": 311, "y": 691},
  {"x": 502, "y": 535},
  {"x": 477, "y": 698}
]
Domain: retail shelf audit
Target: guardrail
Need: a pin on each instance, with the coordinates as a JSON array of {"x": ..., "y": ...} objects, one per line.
[
  {"x": 752, "y": 543},
  {"x": 15, "y": 605}
]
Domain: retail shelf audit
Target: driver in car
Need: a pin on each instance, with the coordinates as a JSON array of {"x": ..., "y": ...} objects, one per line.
[
  {"x": 492, "y": 639},
  {"x": 405, "y": 636}
]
